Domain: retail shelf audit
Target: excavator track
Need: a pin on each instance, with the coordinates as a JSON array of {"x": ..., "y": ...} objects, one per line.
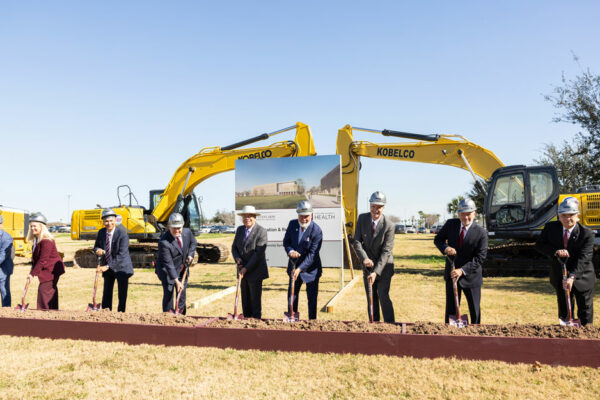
[
  {"x": 513, "y": 258},
  {"x": 143, "y": 255}
]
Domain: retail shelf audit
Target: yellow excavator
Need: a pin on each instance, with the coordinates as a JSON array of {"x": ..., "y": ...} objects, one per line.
[
  {"x": 16, "y": 223},
  {"x": 146, "y": 225},
  {"x": 519, "y": 201}
]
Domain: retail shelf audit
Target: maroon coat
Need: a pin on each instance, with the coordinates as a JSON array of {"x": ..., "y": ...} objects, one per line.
[{"x": 47, "y": 264}]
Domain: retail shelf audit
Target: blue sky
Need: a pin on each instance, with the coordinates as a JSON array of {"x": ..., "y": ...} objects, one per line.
[
  {"x": 257, "y": 172},
  {"x": 98, "y": 94}
]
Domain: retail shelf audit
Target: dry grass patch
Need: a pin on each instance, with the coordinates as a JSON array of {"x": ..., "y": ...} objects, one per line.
[{"x": 53, "y": 369}]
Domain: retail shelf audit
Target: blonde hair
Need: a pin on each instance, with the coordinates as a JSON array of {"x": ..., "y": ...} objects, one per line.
[{"x": 45, "y": 234}]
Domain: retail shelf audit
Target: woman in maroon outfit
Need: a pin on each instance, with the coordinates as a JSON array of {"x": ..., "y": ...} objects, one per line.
[{"x": 46, "y": 263}]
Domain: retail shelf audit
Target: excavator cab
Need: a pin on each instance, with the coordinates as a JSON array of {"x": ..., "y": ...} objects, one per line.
[
  {"x": 521, "y": 200},
  {"x": 186, "y": 206}
]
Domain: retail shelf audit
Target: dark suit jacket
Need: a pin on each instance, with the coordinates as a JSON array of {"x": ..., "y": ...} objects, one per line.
[
  {"x": 6, "y": 250},
  {"x": 469, "y": 257},
  {"x": 580, "y": 247},
  {"x": 171, "y": 257},
  {"x": 251, "y": 252},
  {"x": 309, "y": 261},
  {"x": 46, "y": 261},
  {"x": 120, "y": 261},
  {"x": 377, "y": 246}
]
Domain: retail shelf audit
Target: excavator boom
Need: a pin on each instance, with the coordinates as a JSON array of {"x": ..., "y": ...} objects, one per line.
[
  {"x": 215, "y": 160},
  {"x": 451, "y": 150}
]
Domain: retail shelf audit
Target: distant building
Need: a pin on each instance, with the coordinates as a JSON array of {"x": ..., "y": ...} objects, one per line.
[
  {"x": 276, "y": 189},
  {"x": 330, "y": 183}
]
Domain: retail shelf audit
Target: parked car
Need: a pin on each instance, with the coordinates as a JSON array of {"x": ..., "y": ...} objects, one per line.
[
  {"x": 410, "y": 229},
  {"x": 229, "y": 229},
  {"x": 422, "y": 230},
  {"x": 400, "y": 228},
  {"x": 64, "y": 229},
  {"x": 436, "y": 228},
  {"x": 205, "y": 229},
  {"x": 217, "y": 229},
  {"x": 53, "y": 228}
]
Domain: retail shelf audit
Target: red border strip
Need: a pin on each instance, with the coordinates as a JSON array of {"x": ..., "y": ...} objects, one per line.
[{"x": 553, "y": 351}]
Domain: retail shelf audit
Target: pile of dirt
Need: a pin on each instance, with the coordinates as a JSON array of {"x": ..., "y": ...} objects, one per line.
[
  {"x": 304, "y": 325},
  {"x": 423, "y": 328},
  {"x": 102, "y": 316},
  {"x": 511, "y": 330}
]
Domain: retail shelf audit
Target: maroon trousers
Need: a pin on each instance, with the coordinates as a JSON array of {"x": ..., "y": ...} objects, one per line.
[{"x": 48, "y": 295}]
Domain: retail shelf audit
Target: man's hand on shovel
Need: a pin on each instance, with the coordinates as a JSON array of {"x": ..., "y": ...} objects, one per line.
[
  {"x": 371, "y": 277},
  {"x": 568, "y": 283},
  {"x": 296, "y": 273},
  {"x": 456, "y": 273},
  {"x": 179, "y": 285}
]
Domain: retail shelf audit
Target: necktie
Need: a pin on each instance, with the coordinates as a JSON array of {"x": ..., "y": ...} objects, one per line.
[
  {"x": 373, "y": 227},
  {"x": 107, "y": 254},
  {"x": 181, "y": 247},
  {"x": 566, "y": 238},
  {"x": 462, "y": 236},
  {"x": 247, "y": 234}
]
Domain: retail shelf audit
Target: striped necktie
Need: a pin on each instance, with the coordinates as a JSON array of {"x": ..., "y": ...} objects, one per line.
[{"x": 107, "y": 248}]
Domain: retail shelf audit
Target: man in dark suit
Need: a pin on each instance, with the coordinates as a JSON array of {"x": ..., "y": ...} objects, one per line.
[
  {"x": 176, "y": 249},
  {"x": 112, "y": 243},
  {"x": 466, "y": 242},
  {"x": 6, "y": 264},
  {"x": 248, "y": 250},
  {"x": 302, "y": 242},
  {"x": 572, "y": 242},
  {"x": 374, "y": 243}
]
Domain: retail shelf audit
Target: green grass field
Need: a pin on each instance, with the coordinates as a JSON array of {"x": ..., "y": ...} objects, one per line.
[{"x": 39, "y": 368}]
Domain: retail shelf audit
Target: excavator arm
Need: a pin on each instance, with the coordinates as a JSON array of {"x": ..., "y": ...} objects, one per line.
[
  {"x": 215, "y": 160},
  {"x": 452, "y": 150}
]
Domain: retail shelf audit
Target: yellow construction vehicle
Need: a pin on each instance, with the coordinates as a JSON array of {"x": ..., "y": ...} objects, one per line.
[
  {"x": 146, "y": 225},
  {"x": 519, "y": 200},
  {"x": 16, "y": 223}
]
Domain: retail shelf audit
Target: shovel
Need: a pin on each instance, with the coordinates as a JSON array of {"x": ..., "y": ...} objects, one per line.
[
  {"x": 237, "y": 296},
  {"x": 23, "y": 307},
  {"x": 569, "y": 321},
  {"x": 292, "y": 316},
  {"x": 93, "y": 306},
  {"x": 459, "y": 321},
  {"x": 370, "y": 293},
  {"x": 176, "y": 310}
]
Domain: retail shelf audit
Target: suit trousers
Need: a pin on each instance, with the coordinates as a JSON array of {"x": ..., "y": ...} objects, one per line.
[
  {"x": 5, "y": 291},
  {"x": 109, "y": 284},
  {"x": 170, "y": 292},
  {"x": 381, "y": 296},
  {"x": 251, "y": 298},
  {"x": 48, "y": 295},
  {"x": 585, "y": 305},
  {"x": 473, "y": 296},
  {"x": 312, "y": 290}
]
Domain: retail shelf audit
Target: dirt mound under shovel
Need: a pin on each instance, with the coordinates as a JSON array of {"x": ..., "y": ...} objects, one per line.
[{"x": 426, "y": 328}]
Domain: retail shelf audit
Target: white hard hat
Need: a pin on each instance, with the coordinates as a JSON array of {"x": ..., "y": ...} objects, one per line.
[
  {"x": 248, "y": 210},
  {"x": 304, "y": 208},
  {"x": 176, "y": 220},
  {"x": 466, "y": 205},
  {"x": 377, "y": 198},
  {"x": 570, "y": 205}
]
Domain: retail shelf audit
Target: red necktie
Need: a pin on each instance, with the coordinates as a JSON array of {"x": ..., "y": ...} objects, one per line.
[
  {"x": 566, "y": 238},
  {"x": 461, "y": 237},
  {"x": 373, "y": 228}
]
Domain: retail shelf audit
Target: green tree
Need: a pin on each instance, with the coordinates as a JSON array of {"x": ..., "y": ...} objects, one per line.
[
  {"x": 578, "y": 100},
  {"x": 452, "y": 207}
]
